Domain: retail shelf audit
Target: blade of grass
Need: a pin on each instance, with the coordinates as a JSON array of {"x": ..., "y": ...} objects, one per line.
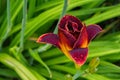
[
  {"x": 57, "y": 60},
  {"x": 104, "y": 16},
  {"x": 50, "y": 53},
  {"x": 108, "y": 28},
  {"x": 109, "y": 36},
  {"x": 115, "y": 57},
  {"x": 112, "y": 76},
  {"x": 31, "y": 8},
  {"x": 14, "y": 13},
  {"x": 36, "y": 56},
  {"x": 111, "y": 67},
  {"x": 9, "y": 24},
  {"x": 22, "y": 70},
  {"x": 7, "y": 73},
  {"x": 64, "y": 68},
  {"x": 94, "y": 4},
  {"x": 92, "y": 10},
  {"x": 62, "y": 14},
  {"x": 23, "y": 25},
  {"x": 48, "y": 5},
  {"x": 95, "y": 48},
  {"x": 96, "y": 77},
  {"x": 56, "y": 74}
]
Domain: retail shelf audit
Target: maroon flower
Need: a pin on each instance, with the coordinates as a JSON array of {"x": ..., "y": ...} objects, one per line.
[{"x": 72, "y": 39}]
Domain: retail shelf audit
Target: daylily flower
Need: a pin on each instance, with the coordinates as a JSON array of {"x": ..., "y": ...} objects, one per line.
[{"x": 72, "y": 39}]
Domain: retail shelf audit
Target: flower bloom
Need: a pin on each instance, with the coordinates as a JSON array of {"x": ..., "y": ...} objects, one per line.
[{"x": 72, "y": 39}]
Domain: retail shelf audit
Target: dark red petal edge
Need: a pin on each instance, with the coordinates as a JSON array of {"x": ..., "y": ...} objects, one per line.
[
  {"x": 92, "y": 31},
  {"x": 79, "y": 55},
  {"x": 49, "y": 38},
  {"x": 66, "y": 18}
]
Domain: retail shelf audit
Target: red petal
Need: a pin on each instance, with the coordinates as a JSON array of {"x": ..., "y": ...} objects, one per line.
[
  {"x": 75, "y": 26},
  {"x": 79, "y": 56},
  {"x": 66, "y": 41},
  {"x": 82, "y": 41},
  {"x": 92, "y": 31},
  {"x": 49, "y": 38},
  {"x": 70, "y": 18}
]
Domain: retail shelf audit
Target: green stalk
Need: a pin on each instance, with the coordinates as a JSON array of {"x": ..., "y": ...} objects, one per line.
[
  {"x": 47, "y": 46},
  {"x": 23, "y": 25},
  {"x": 76, "y": 75},
  {"x": 9, "y": 24},
  {"x": 62, "y": 14}
]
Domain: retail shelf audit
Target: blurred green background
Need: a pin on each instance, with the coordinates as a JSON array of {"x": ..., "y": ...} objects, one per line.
[{"x": 22, "y": 58}]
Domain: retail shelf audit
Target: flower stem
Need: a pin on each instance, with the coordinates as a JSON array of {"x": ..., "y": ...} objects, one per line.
[
  {"x": 9, "y": 24},
  {"x": 62, "y": 14},
  {"x": 23, "y": 25},
  {"x": 79, "y": 73}
]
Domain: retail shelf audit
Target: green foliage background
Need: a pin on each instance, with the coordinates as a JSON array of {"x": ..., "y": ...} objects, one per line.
[{"x": 22, "y": 58}]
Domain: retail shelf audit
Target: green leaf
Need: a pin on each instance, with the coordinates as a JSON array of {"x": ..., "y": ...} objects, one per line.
[
  {"x": 8, "y": 73},
  {"x": 96, "y": 77},
  {"x": 36, "y": 56},
  {"x": 108, "y": 67},
  {"x": 104, "y": 16},
  {"x": 96, "y": 48},
  {"x": 23, "y": 71}
]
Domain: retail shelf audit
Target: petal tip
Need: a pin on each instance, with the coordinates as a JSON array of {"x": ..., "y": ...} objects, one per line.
[
  {"x": 96, "y": 26},
  {"x": 92, "y": 31},
  {"x": 49, "y": 38},
  {"x": 39, "y": 40},
  {"x": 79, "y": 56}
]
